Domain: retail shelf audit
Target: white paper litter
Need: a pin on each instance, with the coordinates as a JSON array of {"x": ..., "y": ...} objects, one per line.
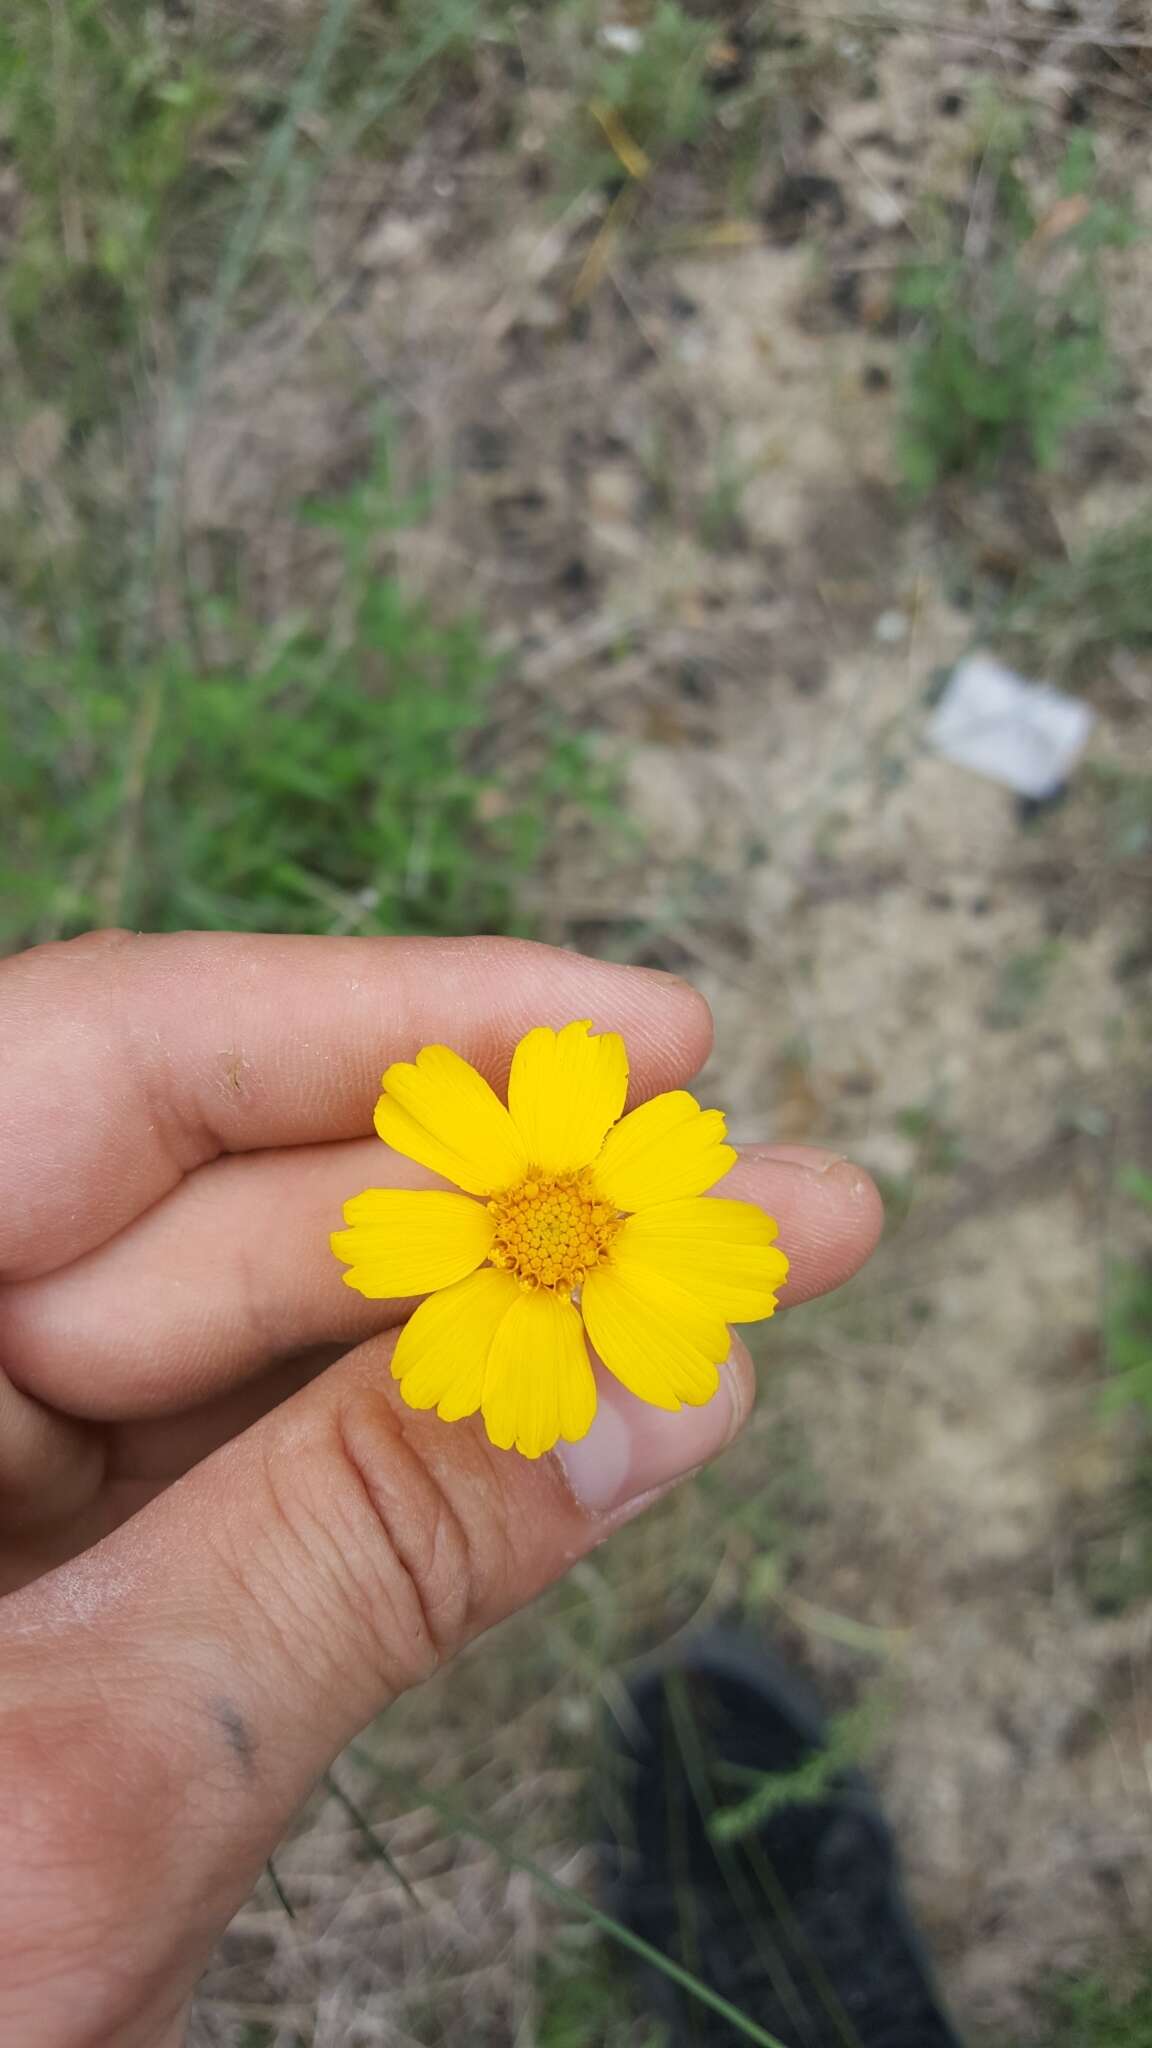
[
  {"x": 617, "y": 35},
  {"x": 992, "y": 720}
]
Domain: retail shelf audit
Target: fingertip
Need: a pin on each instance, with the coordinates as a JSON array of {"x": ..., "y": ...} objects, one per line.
[
  {"x": 682, "y": 1020},
  {"x": 829, "y": 1211},
  {"x": 861, "y": 1201}
]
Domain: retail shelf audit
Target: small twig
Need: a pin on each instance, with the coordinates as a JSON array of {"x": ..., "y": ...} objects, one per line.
[
  {"x": 600, "y": 254},
  {"x": 625, "y": 149}
]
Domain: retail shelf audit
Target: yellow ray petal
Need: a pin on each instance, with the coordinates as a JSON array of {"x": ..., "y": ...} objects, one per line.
[
  {"x": 440, "y": 1111},
  {"x": 666, "y": 1149},
  {"x": 565, "y": 1089},
  {"x": 659, "y": 1343},
  {"x": 720, "y": 1253},
  {"x": 400, "y": 1241},
  {"x": 539, "y": 1384},
  {"x": 442, "y": 1354}
]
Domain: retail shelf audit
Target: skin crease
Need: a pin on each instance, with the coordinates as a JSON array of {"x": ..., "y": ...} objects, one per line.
[{"x": 225, "y": 1544}]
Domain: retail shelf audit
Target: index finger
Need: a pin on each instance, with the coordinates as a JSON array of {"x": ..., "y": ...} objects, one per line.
[{"x": 127, "y": 1060}]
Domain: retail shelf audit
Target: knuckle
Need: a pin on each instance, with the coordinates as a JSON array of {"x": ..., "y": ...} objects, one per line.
[
  {"x": 398, "y": 1542},
  {"x": 53, "y": 956},
  {"x": 424, "y": 1552}
]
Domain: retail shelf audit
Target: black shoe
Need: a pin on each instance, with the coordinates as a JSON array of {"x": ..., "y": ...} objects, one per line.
[{"x": 790, "y": 1907}]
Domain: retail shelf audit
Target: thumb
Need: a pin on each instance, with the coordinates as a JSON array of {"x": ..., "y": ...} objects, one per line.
[{"x": 170, "y": 1697}]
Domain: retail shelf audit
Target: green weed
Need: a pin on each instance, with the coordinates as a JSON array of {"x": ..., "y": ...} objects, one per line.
[
  {"x": 1009, "y": 348},
  {"x": 810, "y": 1782},
  {"x": 352, "y": 776}
]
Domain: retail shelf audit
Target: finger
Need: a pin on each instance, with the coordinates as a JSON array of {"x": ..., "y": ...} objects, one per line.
[
  {"x": 126, "y": 1061},
  {"x": 234, "y": 1270},
  {"x": 829, "y": 1211},
  {"x": 229, "y": 1273},
  {"x": 50, "y": 1465},
  {"x": 274, "y": 1600}
]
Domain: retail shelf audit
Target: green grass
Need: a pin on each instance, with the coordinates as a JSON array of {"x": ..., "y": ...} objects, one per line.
[
  {"x": 346, "y": 772},
  {"x": 100, "y": 107},
  {"x": 159, "y": 174},
  {"x": 134, "y": 136},
  {"x": 345, "y": 768},
  {"x": 1008, "y": 347}
]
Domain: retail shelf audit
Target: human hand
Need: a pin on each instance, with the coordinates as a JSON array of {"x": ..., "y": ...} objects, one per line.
[{"x": 223, "y": 1552}]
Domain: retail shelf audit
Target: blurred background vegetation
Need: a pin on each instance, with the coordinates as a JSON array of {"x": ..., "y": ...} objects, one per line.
[{"x": 476, "y": 464}]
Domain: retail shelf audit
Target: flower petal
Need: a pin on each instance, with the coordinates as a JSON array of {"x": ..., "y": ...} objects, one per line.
[
  {"x": 718, "y": 1252},
  {"x": 657, "y": 1341},
  {"x": 440, "y": 1111},
  {"x": 441, "y": 1357},
  {"x": 565, "y": 1089},
  {"x": 400, "y": 1241},
  {"x": 539, "y": 1384},
  {"x": 667, "y": 1148}
]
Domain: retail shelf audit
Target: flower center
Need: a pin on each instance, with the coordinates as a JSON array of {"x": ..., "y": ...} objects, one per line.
[{"x": 552, "y": 1230}]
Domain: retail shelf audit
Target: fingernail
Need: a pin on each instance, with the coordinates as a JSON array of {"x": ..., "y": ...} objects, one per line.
[
  {"x": 633, "y": 1450},
  {"x": 814, "y": 1158},
  {"x": 844, "y": 1173},
  {"x": 841, "y": 1176}
]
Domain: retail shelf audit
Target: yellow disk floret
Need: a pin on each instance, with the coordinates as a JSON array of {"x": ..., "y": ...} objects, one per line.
[{"x": 551, "y": 1230}]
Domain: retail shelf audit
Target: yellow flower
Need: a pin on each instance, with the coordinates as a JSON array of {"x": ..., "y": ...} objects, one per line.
[{"x": 575, "y": 1221}]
